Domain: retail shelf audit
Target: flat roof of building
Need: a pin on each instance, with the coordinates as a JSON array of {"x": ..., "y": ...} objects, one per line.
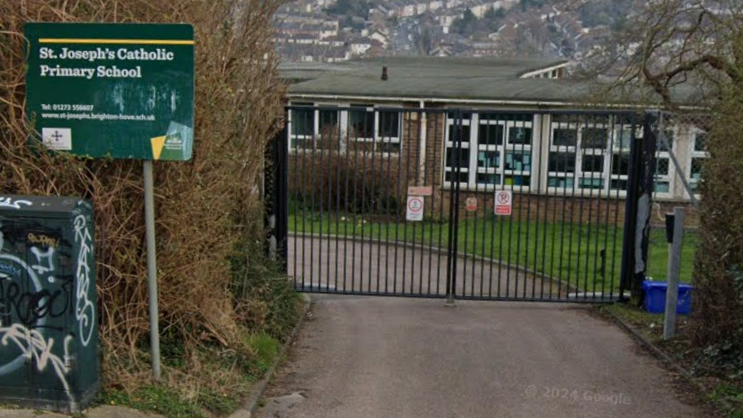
[{"x": 439, "y": 79}]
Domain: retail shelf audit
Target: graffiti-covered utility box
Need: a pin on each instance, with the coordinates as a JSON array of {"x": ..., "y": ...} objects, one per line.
[{"x": 48, "y": 327}]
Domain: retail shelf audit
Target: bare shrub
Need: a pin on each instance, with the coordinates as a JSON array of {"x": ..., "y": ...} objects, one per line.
[{"x": 354, "y": 183}]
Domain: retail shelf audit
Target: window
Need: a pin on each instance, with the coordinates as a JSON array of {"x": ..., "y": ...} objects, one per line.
[
  {"x": 698, "y": 155},
  {"x": 360, "y": 127},
  {"x": 302, "y": 126},
  {"x": 589, "y": 153},
  {"x": 663, "y": 173},
  {"x": 459, "y": 133},
  {"x": 624, "y": 134},
  {"x": 496, "y": 150},
  {"x": 361, "y": 123}
]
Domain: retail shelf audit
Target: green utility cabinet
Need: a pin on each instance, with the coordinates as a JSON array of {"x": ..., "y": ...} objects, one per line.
[{"x": 49, "y": 349}]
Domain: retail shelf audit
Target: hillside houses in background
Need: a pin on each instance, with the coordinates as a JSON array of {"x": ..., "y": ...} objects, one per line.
[{"x": 334, "y": 31}]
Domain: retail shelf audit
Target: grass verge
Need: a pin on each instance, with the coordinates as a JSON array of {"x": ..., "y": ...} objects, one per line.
[{"x": 223, "y": 378}]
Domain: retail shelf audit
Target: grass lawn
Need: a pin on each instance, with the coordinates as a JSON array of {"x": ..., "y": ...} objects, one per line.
[{"x": 567, "y": 251}]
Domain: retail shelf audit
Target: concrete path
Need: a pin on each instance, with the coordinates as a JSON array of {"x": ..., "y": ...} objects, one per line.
[{"x": 393, "y": 357}]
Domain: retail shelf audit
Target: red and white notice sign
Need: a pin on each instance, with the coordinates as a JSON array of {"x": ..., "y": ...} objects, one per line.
[
  {"x": 503, "y": 203},
  {"x": 415, "y": 209}
]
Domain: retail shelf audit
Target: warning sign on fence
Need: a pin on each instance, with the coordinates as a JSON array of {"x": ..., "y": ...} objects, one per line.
[
  {"x": 415, "y": 209},
  {"x": 503, "y": 203}
]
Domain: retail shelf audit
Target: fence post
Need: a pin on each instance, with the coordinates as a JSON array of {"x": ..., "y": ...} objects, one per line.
[
  {"x": 641, "y": 184},
  {"x": 277, "y": 196},
  {"x": 452, "y": 249}
]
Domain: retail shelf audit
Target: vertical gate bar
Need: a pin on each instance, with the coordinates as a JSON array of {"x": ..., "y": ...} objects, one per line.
[
  {"x": 485, "y": 218},
  {"x": 597, "y": 121},
  {"x": 466, "y": 214},
  {"x": 529, "y": 197},
  {"x": 617, "y": 129},
  {"x": 355, "y": 204},
  {"x": 633, "y": 135},
  {"x": 521, "y": 222},
  {"x": 383, "y": 199},
  {"x": 388, "y": 212},
  {"x": 607, "y": 177},
  {"x": 421, "y": 175},
  {"x": 441, "y": 176},
  {"x": 504, "y": 155},
  {"x": 457, "y": 195},
  {"x": 534, "y": 194},
  {"x": 304, "y": 190},
  {"x": 564, "y": 204},
  {"x": 465, "y": 253},
  {"x": 329, "y": 145},
  {"x": 588, "y": 119},
  {"x": 406, "y": 173},
  {"x": 452, "y": 203},
  {"x": 556, "y": 196},
  {"x": 633, "y": 194},
  {"x": 295, "y": 186},
  {"x": 317, "y": 140},
  {"x": 415, "y": 161},
  {"x": 401, "y": 216},
  {"x": 612, "y": 203},
  {"x": 283, "y": 199},
  {"x": 392, "y": 190},
  {"x": 483, "y": 252},
  {"x": 364, "y": 192},
  {"x": 475, "y": 153},
  {"x": 426, "y": 122},
  {"x": 578, "y": 263},
  {"x": 338, "y": 208},
  {"x": 573, "y": 196},
  {"x": 373, "y": 199},
  {"x": 547, "y": 224},
  {"x": 343, "y": 147},
  {"x": 312, "y": 182},
  {"x": 473, "y": 222}
]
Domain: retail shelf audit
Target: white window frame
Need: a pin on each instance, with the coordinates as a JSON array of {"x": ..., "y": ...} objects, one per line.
[
  {"x": 618, "y": 149},
  {"x": 694, "y": 154},
  {"x": 666, "y": 155},
  {"x": 377, "y": 139},
  {"x": 615, "y": 146},
  {"x": 474, "y": 147},
  {"x": 580, "y": 152},
  {"x": 343, "y": 111}
]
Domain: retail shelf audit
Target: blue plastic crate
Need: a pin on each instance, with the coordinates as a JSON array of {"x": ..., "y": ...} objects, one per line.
[{"x": 655, "y": 297}]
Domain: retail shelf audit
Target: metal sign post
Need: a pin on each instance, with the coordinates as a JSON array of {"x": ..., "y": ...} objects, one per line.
[
  {"x": 674, "y": 270},
  {"x": 149, "y": 217}
]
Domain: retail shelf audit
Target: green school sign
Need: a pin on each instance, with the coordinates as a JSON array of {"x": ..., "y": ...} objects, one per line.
[{"x": 112, "y": 90}]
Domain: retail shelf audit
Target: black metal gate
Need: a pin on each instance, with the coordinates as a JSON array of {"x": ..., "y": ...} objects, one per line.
[{"x": 471, "y": 204}]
